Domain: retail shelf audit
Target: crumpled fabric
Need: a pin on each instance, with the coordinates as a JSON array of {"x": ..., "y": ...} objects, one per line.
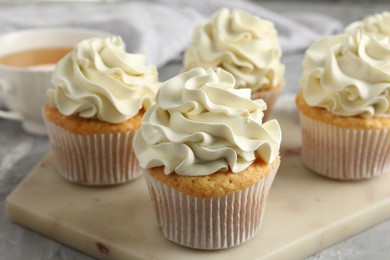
[{"x": 161, "y": 29}]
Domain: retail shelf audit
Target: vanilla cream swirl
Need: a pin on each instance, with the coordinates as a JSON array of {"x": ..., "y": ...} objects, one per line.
[
  {"x": 349, "y": 75},
  {"x": 377, "y": 24},
  {"x": 98, "y": 79},
  {"x": 240, "y": 43},
  {"x": 201, "y": 124}
]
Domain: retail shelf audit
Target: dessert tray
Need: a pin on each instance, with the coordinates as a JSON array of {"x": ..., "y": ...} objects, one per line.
[{"x": 305, "y": 212}]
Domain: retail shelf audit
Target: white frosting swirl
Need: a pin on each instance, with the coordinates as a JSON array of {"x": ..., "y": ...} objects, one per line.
[
  {"x": 377, "y": 24},
  {"x": 243, "y": 44},
  {"x": 201, "y": 124},
  {"x": 349, "y": 75},
  {"x": 98, "y": 79}
]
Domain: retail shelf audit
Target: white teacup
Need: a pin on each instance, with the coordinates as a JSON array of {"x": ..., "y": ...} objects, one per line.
[{"x": 23, "y": 86}]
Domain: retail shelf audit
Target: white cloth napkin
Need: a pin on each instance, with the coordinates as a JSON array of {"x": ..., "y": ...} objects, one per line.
[{"x": 161, "y": 29}]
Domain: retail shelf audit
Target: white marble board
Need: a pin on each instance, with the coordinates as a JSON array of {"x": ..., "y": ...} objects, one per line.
[{"x": 305, "y": 212}]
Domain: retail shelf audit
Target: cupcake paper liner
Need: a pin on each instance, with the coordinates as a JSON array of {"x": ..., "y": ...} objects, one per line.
[
  {"x": 211, "y": 223},
  {"x": 94, "y": 159},
  {"x": 269, "y": 97},
  {"x": 344, "y": 153}
]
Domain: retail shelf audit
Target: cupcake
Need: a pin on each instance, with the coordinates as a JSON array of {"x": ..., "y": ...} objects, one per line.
[
  {"x": 244, "y": 45},
  {"x": 344, "y": 106},
  {"x": 95, "y": 105},
  {"x": 208, "y": 160}
]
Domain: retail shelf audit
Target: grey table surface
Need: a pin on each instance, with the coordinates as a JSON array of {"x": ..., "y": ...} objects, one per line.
[{"x": 19, "y": 152}]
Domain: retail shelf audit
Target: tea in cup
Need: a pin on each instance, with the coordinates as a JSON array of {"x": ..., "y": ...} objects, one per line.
[{"x": 27, "y": 60}]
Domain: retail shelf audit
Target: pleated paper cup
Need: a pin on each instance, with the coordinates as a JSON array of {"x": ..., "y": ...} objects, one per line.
[
  {"x": 209, "y": 223},
  {"x": 94, "y": 159},
  {"x": 269, "y": 96},
  {"x": 344, "y": 153}
]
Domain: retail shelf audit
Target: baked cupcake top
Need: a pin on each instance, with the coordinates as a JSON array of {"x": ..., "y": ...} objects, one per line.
[
  {"x": 99, "y": 79},
  {"x": 240, "y": 43},
  {"x": 201, "y": 124},
  {"x": 348, "y": 75},
  {"x": 377, "y": 24}
]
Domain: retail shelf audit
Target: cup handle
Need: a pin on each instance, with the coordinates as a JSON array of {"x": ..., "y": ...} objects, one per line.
[{"x": 12, "y": 115}]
